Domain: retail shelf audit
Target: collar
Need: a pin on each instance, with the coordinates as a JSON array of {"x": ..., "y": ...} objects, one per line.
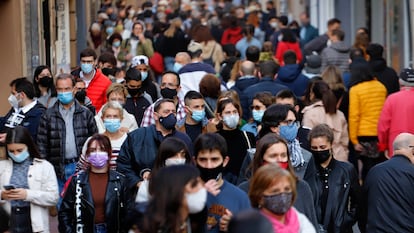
[
  {"x": 27, "y": 108},
  {"x": 246, "y": 77},
  {"x": 71, "y": 108},
  {"x": 266, "y": 79},
  {"x": 82, "y": 76},
  {"x": 329, "y": 168}
]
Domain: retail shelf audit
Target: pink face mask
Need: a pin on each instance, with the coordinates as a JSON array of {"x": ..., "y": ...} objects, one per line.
[{"x": 98, "y": 159}]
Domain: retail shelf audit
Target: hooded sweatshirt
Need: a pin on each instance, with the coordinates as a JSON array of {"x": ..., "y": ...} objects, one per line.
[
  {"x": 291, "y": 76},
  {"x": 385, "y": 74},
  {"x": 337, "y": 54}
]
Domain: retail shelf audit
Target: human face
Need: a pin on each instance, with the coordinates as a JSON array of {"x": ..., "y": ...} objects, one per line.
[
  {"x": 80, "y": 86},
  {"x": 166, "y": 109},
  {"x": 44, "y": 73},
  {"x": 276, "y": 153},
  {"x": 180, "y": 59},
  {"x": 257, "y": 105},
  {"x": 210, "y": 159},
  {"x": 118, "y": 97},
  {"x": 87, "y": 60},
  {"x": 320, "y": 144},
  {"x": 287, "y": 101},
  {"x": 229, "y": 109},
  {"x": 137, "y": 29},
  {"x": 290, "y": 119},
  {"x": 111, "y": 113},
  {"x": 194, "y": 185},
  {"x": 95, "y": 147},
  {"x": 134, "y": 84},
  {"x": 16, "y": 148},
  {"x": 169, "y": 81},
  {"x": 142, "y": 68},
  {"x": 196, "y": 104},
  {"x": 64, "y": 85},
  {"x": 179, "y": 155},
  {"x": 281, "y": 186}
]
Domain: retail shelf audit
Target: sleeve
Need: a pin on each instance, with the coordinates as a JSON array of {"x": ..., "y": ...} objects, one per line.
[
  {"x": 147, "y": 48},
  {"x": 91, "y": 124},
  {"x": 42, "y": 135},
  {"x": 344, "y": 140},
  {"x": 147, "y": 118},
  {"x": 218, "y": 57},
  {"x": 279, "y": 52},
  {"x": 384, "y": 126},
  {"x": 124, "y": 162},
  {"x": 224, "y": 40},
  {"x": 66, "y": 215},
  {"x": 306, "y": 119},
  {"x": 324, "y": 58},
  {"x": 299, "y": 56},
  {"x": 48, "y": 194},
  {"x": 123, "y": 52},
  {"x": 354, "y": 115},
  {"x": 355, "y": 198}
]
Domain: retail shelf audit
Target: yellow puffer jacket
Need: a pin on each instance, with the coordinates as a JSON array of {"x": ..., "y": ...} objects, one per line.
[{"x": 365, "y": 104}]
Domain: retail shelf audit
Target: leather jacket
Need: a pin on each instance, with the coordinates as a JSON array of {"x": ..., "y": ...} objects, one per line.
[
  {"x": 116, "y": 203},
  {"x": 343, "y": 196}
]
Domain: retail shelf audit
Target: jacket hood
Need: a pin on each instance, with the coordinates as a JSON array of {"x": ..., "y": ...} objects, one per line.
[
  {"x": 209, "y": 48},
  {"x": 340, "y": 46},
  {"x": 288, "y": 73},
  {"x": 378, "y": 64}
]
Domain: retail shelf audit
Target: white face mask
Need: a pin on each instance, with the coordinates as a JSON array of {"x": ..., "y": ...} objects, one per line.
[
  {"x": 14, "y": 102},
  {"x": 174, "y": 161},
  {"x": 231, "y": 120},
  {"x": 196, "y": 201},
  {"x": 273, "y": 25}
]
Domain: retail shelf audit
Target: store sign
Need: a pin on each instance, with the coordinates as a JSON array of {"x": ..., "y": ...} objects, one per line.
[{"x": 63, "y": 38}]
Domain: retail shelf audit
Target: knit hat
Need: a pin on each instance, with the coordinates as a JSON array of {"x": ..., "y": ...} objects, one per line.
[
  {"x": 313, "y": 64},
  {"x": 139, "y": 60},
  {"x": 407, "y": 77}
]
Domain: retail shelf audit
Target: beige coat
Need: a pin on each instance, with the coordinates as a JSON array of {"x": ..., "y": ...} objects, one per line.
[{"x": 315, "y": 114}]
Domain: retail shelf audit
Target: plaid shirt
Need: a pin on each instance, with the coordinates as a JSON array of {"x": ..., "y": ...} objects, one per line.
[{"x": 148, "y": 118}]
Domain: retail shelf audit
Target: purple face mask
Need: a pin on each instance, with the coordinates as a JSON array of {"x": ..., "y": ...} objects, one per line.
[{"x": 98, "y": 159}]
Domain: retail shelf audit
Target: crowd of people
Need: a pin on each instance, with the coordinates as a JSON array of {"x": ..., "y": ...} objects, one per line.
[{"x": 211, "y": 117}]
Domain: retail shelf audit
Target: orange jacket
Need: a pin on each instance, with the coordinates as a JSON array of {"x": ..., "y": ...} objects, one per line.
[{"x": 96, "y": 90}]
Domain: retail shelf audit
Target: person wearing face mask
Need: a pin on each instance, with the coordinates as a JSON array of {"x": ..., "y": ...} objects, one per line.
[
  {"x": 141, "y": 64},
  {"x": 195, "y": 121},
  {"x": 96, "y": 82},
  {"x": 179, "y": 202},
  {"x": 223, "y": 199},
  {"x": 81, "y": 97},
  {"x": 28, "y": 184},
  {"x": 114, "y": 43},
  {"x": 272, "y": 149},
  {"x": 273, "y": 192},
  {"x": 45, "y": 89},
  {"x": 118, "y": 93},
  {"x": 137, "y": 155},
  {"x": 307, "y": 31},
  {"x": 64, "y": 128},
  {"x": 95, "y": 200},
  {"x": 261, "y": 101},
  {"x": 170, "y": 89},
  {"x": 107, "y": 64},
  {"x": 181, "y": 59},
  {"x": 228, "y": 114},
  {"x": 137, "y": 99},
  {"x": 334, "y": 184},
  {"x": 25, "y": 110}
]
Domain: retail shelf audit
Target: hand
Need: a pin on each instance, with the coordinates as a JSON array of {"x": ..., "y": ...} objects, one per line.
[
  {"x": 14, "y": 194},
  {"x": 141, "y": 37},
  {"x": 212, "y": 187},
  {"x": 124, "y": 129},
  {"x": 358, "y": 147},
  {"x": 128, "y": 57},
  {"x": 3, "y": 137},
  {"x": 146, "y": 175},
  {"x": 224, "y": 221},
  {"x": 386, "y": 154}
]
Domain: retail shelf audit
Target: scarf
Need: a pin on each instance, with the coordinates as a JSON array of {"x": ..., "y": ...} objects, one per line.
[
  {"x": 296, "y": 156},
  {"x": 291, "y": 225}
]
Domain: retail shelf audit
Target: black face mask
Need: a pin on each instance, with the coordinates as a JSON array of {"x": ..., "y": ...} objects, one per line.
[
  {"x": 168, "y": 122},
  {"x": 81, "y": 96},
  {"x": 321, "y": 156},
  {"x": 135, "y": 91},
  {"x": 168, "y": 93},
  {"x": 207, "y": 174},
  {"x": 46, "y": 81},
  {"x": 108, "y": 71}
]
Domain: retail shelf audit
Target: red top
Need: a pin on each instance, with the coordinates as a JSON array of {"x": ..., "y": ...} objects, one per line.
[
  {"x": 96, "y": 90},
  {"x": 282, "y": 47},
  {"x": 231, "y": 36}
]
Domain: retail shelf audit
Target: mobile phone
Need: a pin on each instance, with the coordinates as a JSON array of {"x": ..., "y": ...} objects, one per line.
[{"x": 8, "y": 187}]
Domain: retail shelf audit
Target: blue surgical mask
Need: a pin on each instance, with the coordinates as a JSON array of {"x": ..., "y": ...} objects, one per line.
[
  {"x": 109, "y": 30},
  {"x": 177, "y": 66},
  {"x": 258, "y": 115},
  {"x": 198, "y": 115},
  {"x": 144, "y": 75},
  {"x": 289, "y": 132},
  {"x": 65, "y": 97},
  {"x": 19, "y": 158},
  {"x": 231, "y": 120},
  {"x": 116, "y": 44},
  {"x": 86, "y": 68},
  {"x": 112, "y": 125}
]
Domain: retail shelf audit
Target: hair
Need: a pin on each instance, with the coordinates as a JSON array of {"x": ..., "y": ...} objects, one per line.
[
  {"x": 253, "y": 19},
  {"x": 247, "y": 67},
  {"x": 375, "y": 51},
  {"x": 167, "y": 190},
  {"x": 107, "y": 57},
  {"x": 265, "y": 97},
  {"x": 116, "y": 88},
  {"x": 286, "y": 94},
  {"x": 221, "y": 105},
  {"x": 103, "y": 142},
  {"x": 192, "y": 95},
  {"x": 402, "y": 141},
  {"x": 169, "y": 147},
  {"x": 273, "y": 116},
  {"x": 113, "y": 105},
  {"x": 268, "y": 68},
  {"x": 114, "y": 37},
  {"x": 360, "y": 73},
  {"x": 66, "y": 76},
  {"x": 210, "y": 142},
  {"x": 321, "y": 130},
  {"x": 231, "y": 94},
  {"x": 289, "y": 57},
  {"x": 88, "y": 52},
  {"x": 253, "y": 53},
  {"x": 339, "y": 34},
  {"x": 356, "y": 53},
  {"x": 133, "y": 74},
  {"x": 322, "y": 92},
  {"x": 265, "y": 177},
  {"x": 175, "y": 24},
  {"x": 248, "y": 31},
  {"x": 177, "y": 76},
  {"x": 20, "y": 134},
  {"x": 230, "y": 50},
  {"x": 332, "y": 76},
  {"x": 139, "y": 22},
  {"x": 283, "y": 20},
  {"x": 306, "y": 96},
  {"x": 288, "y": 35},
  {"x": 37, "y": 71},
  {"x": 361, "y": 40},
  {"x": 248, "y": 221},
  {"x": 23, "y": 85},
  {"x": 210, "y": 86},
  {"x": 201, "y": 34},
  {"x": 333, "y": 21},
  {"x": 263, "y": 145},
  {"x": 159, "y": 102}
]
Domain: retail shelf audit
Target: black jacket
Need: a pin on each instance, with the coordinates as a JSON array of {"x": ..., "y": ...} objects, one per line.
[
  {"x": 385, "y": 75},
  {"x": 51, "y": 134},
  {"x": 343, "y": 196},
  {"x": 116, "y": 204}
]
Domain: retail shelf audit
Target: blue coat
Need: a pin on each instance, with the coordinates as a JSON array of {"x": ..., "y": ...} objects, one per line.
[
  {"x": 240, "y": 85},
  {"x": 292, "y": 77}
]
